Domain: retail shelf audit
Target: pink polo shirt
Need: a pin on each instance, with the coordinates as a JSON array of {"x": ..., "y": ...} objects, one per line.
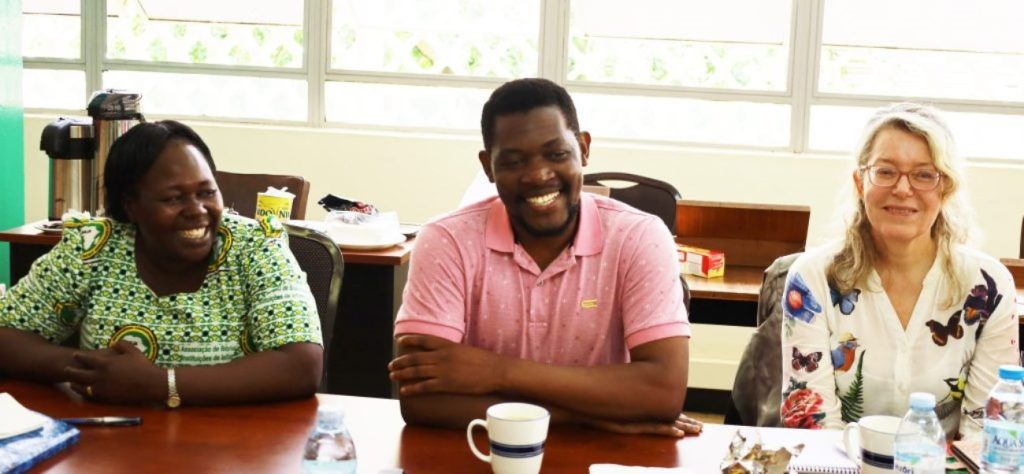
[{"x": 616, "y": 287}]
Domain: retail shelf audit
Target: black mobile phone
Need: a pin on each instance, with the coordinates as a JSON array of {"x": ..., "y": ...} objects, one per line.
[{"x": 331, "y": 202}]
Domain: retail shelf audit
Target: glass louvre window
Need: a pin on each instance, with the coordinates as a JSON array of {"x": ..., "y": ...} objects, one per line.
[
  {"x": 471, "y": 38},
  {"x": 51, "y": 29},
  {"x": 924, "y": 48},
  {"x": 978, "y": 135},
  {"x": 214, "y": 95},
  {"x": 725, "y": 44},
  {"x": 456, "y": 108},
  {"x": 684, "y": 120},
  {"x": 265, "y": 33}
]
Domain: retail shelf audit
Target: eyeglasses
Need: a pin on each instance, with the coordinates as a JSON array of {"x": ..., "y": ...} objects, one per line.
[{"x": 888, "y": 176}]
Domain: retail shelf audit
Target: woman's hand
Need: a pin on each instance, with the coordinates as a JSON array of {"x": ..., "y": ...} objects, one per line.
[
  {"x": 120, "y": 374},
  {"x": 682, "y": 426}
]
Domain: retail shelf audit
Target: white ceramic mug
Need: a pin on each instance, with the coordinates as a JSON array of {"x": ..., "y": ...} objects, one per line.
[
  {"x": 517, "y": 433},
  {"x": 869, "y": 441}
]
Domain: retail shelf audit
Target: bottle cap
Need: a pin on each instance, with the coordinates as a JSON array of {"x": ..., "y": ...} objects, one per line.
[
  {"x": 330, "y": 417},
  {"x": 922, "y": 401},
  {"x": 1011, "y": 372}
]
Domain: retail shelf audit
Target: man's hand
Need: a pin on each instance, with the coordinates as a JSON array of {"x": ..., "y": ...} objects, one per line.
[
  {"x": 121, "y": 374},
  {"x": 434, "y": 365},
  {"x": 682, "y": 426}
]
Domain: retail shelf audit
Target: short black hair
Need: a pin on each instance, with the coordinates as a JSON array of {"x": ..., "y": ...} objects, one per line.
[
  {"x": 133, "y": 154},
  {"x": 524, "y": 95}
]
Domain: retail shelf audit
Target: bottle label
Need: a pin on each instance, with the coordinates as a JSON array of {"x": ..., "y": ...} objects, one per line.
[
  {"x": 1004, "y": 442},
  {"x": 919, "y": 458}
]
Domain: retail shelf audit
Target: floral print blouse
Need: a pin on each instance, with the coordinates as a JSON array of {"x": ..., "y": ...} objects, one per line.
[{"x": 845, "y": 356}]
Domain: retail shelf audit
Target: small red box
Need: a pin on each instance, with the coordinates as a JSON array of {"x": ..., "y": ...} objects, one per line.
[{"x": 701, "y": 262}]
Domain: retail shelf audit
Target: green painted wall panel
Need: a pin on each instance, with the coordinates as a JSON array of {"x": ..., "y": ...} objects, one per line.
[{"x": 12, "y": 147}]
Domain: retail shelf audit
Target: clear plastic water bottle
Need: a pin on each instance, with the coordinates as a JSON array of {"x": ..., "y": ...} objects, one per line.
[
  {"x": 1002, "y": 448},
  {"x": 329, "y": 447},
  {"x": 920, "y": 446}
]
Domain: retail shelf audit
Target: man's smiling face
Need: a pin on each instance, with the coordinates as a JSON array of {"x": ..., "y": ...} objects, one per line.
[{"x": 536, "y": 162}]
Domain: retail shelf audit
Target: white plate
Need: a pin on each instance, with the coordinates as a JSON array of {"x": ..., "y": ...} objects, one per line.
[
  {"x": 387, "y": 243},
  {"x": 409, "y": 230},
  {"x": 50, "y": 227}
]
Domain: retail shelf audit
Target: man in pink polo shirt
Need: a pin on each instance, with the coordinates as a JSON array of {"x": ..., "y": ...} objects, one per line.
[{"x": 543, "y": 294}]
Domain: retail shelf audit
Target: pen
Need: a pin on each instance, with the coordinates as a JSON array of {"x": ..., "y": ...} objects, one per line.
[{"x": 105, "y": 420}]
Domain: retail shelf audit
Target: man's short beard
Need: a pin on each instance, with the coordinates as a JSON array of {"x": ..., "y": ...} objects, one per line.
[{"x": 573, "y": 213}]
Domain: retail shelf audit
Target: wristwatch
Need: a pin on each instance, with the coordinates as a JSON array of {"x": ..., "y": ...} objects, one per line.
[{"x": 173, "y": 399}]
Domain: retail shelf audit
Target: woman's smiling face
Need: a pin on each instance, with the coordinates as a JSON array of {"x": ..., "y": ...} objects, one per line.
[
  {"x": 177, "y": 206},
  {"x": 899, "y": 214}
]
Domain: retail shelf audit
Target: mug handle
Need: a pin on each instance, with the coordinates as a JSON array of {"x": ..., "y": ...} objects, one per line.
[
  {"x": 472, "y": 446},
  {"x": 851, "y": 440}
]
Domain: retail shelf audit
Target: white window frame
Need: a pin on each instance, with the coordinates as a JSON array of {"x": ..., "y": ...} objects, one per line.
[{"x": 801, "y": 92}]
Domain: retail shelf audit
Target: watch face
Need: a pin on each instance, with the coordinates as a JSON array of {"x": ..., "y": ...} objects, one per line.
[{"x": 174, "y": 402}]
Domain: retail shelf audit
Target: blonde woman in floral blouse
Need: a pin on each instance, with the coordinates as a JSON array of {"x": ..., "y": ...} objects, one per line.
[{"x": 900, "y": 304}]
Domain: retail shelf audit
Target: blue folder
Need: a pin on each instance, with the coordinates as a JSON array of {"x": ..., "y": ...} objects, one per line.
[{"x": 21, "y": 452}]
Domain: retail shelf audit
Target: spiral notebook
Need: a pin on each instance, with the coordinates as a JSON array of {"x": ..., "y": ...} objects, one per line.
[
  {"x": 822, "y": 453},
  {"x": 823, "y": 459}
]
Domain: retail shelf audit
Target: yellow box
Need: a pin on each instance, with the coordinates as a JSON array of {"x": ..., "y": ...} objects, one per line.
[
  {"x": 701, "y": 262},
  {"x": 277, "y": 206}
]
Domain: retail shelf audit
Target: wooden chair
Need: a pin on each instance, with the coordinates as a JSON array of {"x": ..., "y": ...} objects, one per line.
[
  {"x": 646, "y": 194},
  {"x": 1021, "y": 255},
  {"x": 239, "y": 191},
  {"x": 319, "y": 257}
]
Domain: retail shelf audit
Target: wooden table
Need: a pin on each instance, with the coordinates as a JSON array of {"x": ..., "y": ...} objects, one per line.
[
  {"x": 371, "y": 292},
  {"x": 739, "y": 283},
  {"x": 270, "y": 438}
]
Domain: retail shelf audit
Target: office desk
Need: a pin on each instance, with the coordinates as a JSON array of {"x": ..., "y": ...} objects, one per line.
[
  {"x": 270, "y": 438},
  {"x": 371, "y": 292},
  {"x": 740, "y": 283}
]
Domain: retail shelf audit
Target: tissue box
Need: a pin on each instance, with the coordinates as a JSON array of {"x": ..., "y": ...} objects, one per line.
[{"x": 701, "y": 262}]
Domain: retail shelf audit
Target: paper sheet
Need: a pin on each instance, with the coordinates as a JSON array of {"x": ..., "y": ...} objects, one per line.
[{"x": 16, "y": 418}]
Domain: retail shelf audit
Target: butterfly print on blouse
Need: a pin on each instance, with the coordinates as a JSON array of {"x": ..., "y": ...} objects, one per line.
[
  {"x": 942, "y": 332},
  {"x": 809, "y": 361},
  {"x": 847, "y": 302}
]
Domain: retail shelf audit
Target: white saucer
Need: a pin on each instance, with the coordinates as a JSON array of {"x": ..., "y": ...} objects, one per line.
[
  {"x": 383, "y": 244},
  {"x": 50, "y": 227}
]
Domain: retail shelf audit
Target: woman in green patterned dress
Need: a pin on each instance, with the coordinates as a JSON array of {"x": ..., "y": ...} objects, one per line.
[{"x": 173, "y": 301}]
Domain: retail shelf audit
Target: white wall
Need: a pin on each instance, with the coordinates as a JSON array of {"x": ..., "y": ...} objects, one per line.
[{"x": 423, "y": 175}]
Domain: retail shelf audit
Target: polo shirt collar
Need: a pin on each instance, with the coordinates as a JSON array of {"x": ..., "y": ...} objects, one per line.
[{"x": 589, "y": 237}]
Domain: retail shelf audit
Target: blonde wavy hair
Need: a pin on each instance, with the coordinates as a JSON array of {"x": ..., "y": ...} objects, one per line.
[{"x": 851, "y": 266}]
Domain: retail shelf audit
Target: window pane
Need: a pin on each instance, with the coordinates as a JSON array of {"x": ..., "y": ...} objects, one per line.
[
  {"x": 693, "y": 43},
  {"x": 924, "y": 48},
  {"x": 837, "y": 128},
  {"x": 400, "y": 105},
  {"x": 236, "y": 32},
  {"x": 686, "y": 120},
  {"x": 53, "y": 89},
  {"x": 478, "y": 38},
  {"x": 51, "y": 29},
  {"x": 214, "y": 96}
]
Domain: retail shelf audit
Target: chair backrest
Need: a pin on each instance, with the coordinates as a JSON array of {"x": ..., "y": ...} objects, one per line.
[
  {"x": 319, "y": 257},
  {"x": 757, "y": 389},
  {"x": 239, "y": 191},
  {"x": 1021, "y": 255},
  {"x": 646, "y": 194}
]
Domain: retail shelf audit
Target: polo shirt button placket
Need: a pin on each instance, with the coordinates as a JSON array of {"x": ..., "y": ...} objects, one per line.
[{"x": 540, "y": 283}]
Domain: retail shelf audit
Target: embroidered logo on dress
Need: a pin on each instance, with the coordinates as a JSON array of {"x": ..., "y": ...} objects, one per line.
[
  {"x": 141, "y": 336},
  {"x": 67, "y": 312},
  {"x": 94, "y": 236},
  {"x": 271, "y": 226},
  {"x": 221, "y": 246},
  {"x": 588, "y": 304}
]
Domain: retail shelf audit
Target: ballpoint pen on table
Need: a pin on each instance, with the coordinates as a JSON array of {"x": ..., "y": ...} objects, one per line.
[{"x": 105, "y": 420}]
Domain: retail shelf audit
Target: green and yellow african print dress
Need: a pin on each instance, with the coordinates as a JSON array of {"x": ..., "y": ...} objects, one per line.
[{"x": 254, "y": 296}]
